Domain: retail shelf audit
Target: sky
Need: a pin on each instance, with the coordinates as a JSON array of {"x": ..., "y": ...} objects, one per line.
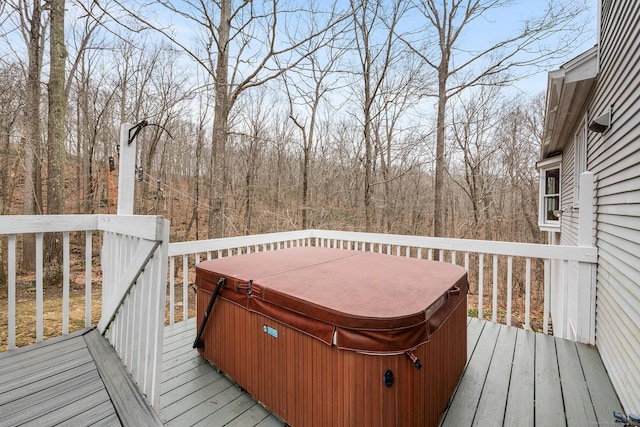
[
  {"x": 493, "y": 26},
  {"x": 521, "y": 8}
]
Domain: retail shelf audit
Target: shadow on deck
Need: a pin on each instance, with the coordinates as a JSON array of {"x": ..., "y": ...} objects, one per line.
[{"x": 512, "y": 377}]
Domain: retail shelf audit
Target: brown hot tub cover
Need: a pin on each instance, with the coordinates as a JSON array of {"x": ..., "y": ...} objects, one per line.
[{"x": 362, "y": 301}]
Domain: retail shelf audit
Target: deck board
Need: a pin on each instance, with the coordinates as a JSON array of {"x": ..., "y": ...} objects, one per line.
[
  {"x": 512, "y": 377},
  {"x": 548, "y": 393},
  {"x": 493, "y": 401},
  {"x": 133, "y": 409},
  {"x": 552, "y": 382},
  {"x": 601, "y": 391},
  {"x": 520, "y": 409},
  {"x": 575, "y": 394},
  {"x": 194, "y": 393},
  {"x": 52, "y": 382},
  {"x": 472, "y": 382}
]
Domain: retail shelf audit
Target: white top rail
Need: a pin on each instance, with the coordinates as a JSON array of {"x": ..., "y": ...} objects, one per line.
[
  {"x": 143, "y": 226},
  {"x": 183, "y": 248},
  {"x": 533, "y": 250}
]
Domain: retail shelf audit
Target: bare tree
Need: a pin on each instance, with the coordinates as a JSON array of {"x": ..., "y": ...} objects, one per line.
[
  {"x": 11, "y": 106},
  {"x": 161, "y": 99},
  {"x": 474, "y": 123},
  {"x": 307, "y": 89},
  {"x": 374, "y": 29},
  {"x": 249, "y": 143},
  {"x": 11, "y": 109},
  {"x": 496, "y": 62},
  {"x": 242, "y": 46},
  {"x": 521, "y": 136},
  {"x": 396, "y": 143},
  {"x": 55, "y": 137},
  {"x": 32, "y": 27},
  {"x": 85, "y": 48}
]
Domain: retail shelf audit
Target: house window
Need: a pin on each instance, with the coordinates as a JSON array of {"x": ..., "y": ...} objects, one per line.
[
  {"x": 550, "y": 207},
  {"x": 552, "y": 194}
]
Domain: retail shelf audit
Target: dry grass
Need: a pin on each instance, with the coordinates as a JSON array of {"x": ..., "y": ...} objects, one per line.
[{"x": 52, "y": 308}]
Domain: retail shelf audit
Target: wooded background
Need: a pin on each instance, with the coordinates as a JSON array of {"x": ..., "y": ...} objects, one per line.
[{"x": 384, "y": 116}]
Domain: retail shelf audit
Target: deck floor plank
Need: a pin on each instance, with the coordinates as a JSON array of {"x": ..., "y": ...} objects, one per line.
[
  {"x": 469, "y": 390},
  {"x": 210, "y": 402},
  {"x": 230, "y": 412},
  {"x": 187, "y": 388},
  {"x": 180, "y": 364},
  {"x": 520, "y": 400},
  {"x": 549, "y": 409},
  {"x": 126, "y": 398},
  {"x": 42, "y": 403},
  {"x": 100, "y": 414},
  {"x": 492, "y": 405},
  {"x": 70, "y": 412},
  {"x": 270, "y": 421},
  {"x": 30, "y": 386},
  {"x": 601, "y": 391},
  {"x": 552, "y": 382},
  {"x": 252, "y": 417},
  {"x": 474, "y": 329},
  {"x": 575, "y": 394},
  {"x": 38, "y": 356},
  {"x": 512, "y": 377}
]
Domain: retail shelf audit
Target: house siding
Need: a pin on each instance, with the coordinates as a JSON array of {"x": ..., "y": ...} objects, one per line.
[{"x": 614, "y": 158}]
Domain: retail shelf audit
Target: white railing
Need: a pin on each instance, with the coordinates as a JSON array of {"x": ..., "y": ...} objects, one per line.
[
  {"x": 134, "y": 271},
  {"x": 133, "y": 265},
  {"x": 15, "y": 226},
  {"x": 459, "y": 251}
]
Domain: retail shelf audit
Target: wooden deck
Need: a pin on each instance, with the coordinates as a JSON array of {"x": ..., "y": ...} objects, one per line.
[
  {"x": 519, "y": 378},
  {"x": 512, "y": 377},
  {"x": 195, "y": 394},
  {"x": 73, "y": 380}
]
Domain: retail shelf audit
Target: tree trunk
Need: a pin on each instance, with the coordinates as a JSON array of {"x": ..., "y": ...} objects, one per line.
[
  {"x": 305, "y": 185},
  {"x": 31, "y": 204},
  {"x": 55, "y": 140},
  {"x": 220, "y": 124},
  {"x": 438, "y": 196}
]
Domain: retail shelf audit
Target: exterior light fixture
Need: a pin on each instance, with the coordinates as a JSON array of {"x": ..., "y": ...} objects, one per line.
[{"x": 601, "y": 123}]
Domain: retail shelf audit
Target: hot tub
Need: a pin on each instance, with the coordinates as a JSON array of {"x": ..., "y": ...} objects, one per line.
[{"x": 332, "y": 337}]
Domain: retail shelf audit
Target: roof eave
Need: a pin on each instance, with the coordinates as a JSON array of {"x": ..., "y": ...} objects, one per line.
[{"x": 568, "y": 90}]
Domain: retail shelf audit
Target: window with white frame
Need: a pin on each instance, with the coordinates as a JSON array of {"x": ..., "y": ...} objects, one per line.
[
  {"x": 550, "y": 208},
  {"x": 580, "y": 161}
]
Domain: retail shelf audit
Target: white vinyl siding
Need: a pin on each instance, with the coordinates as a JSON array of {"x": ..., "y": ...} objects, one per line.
[
  {"x": 580, "y": 160},
  {"x": 614, "y": 158}
]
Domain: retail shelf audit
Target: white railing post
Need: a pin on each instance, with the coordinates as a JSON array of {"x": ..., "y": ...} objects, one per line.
[
  {"x": 547, "y": 296},
  {"x": 12, "y": 291},
  {"x": 126, "y": 171},
  {"x": 65, "y": 282},
  {"x": 39, "y": 288},
  {"x": 586, "y": 280},
  {"x": 87, "y": 278}
]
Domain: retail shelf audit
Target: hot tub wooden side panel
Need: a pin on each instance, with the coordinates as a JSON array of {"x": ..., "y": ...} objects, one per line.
[{"x": 309, "y": 383}]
